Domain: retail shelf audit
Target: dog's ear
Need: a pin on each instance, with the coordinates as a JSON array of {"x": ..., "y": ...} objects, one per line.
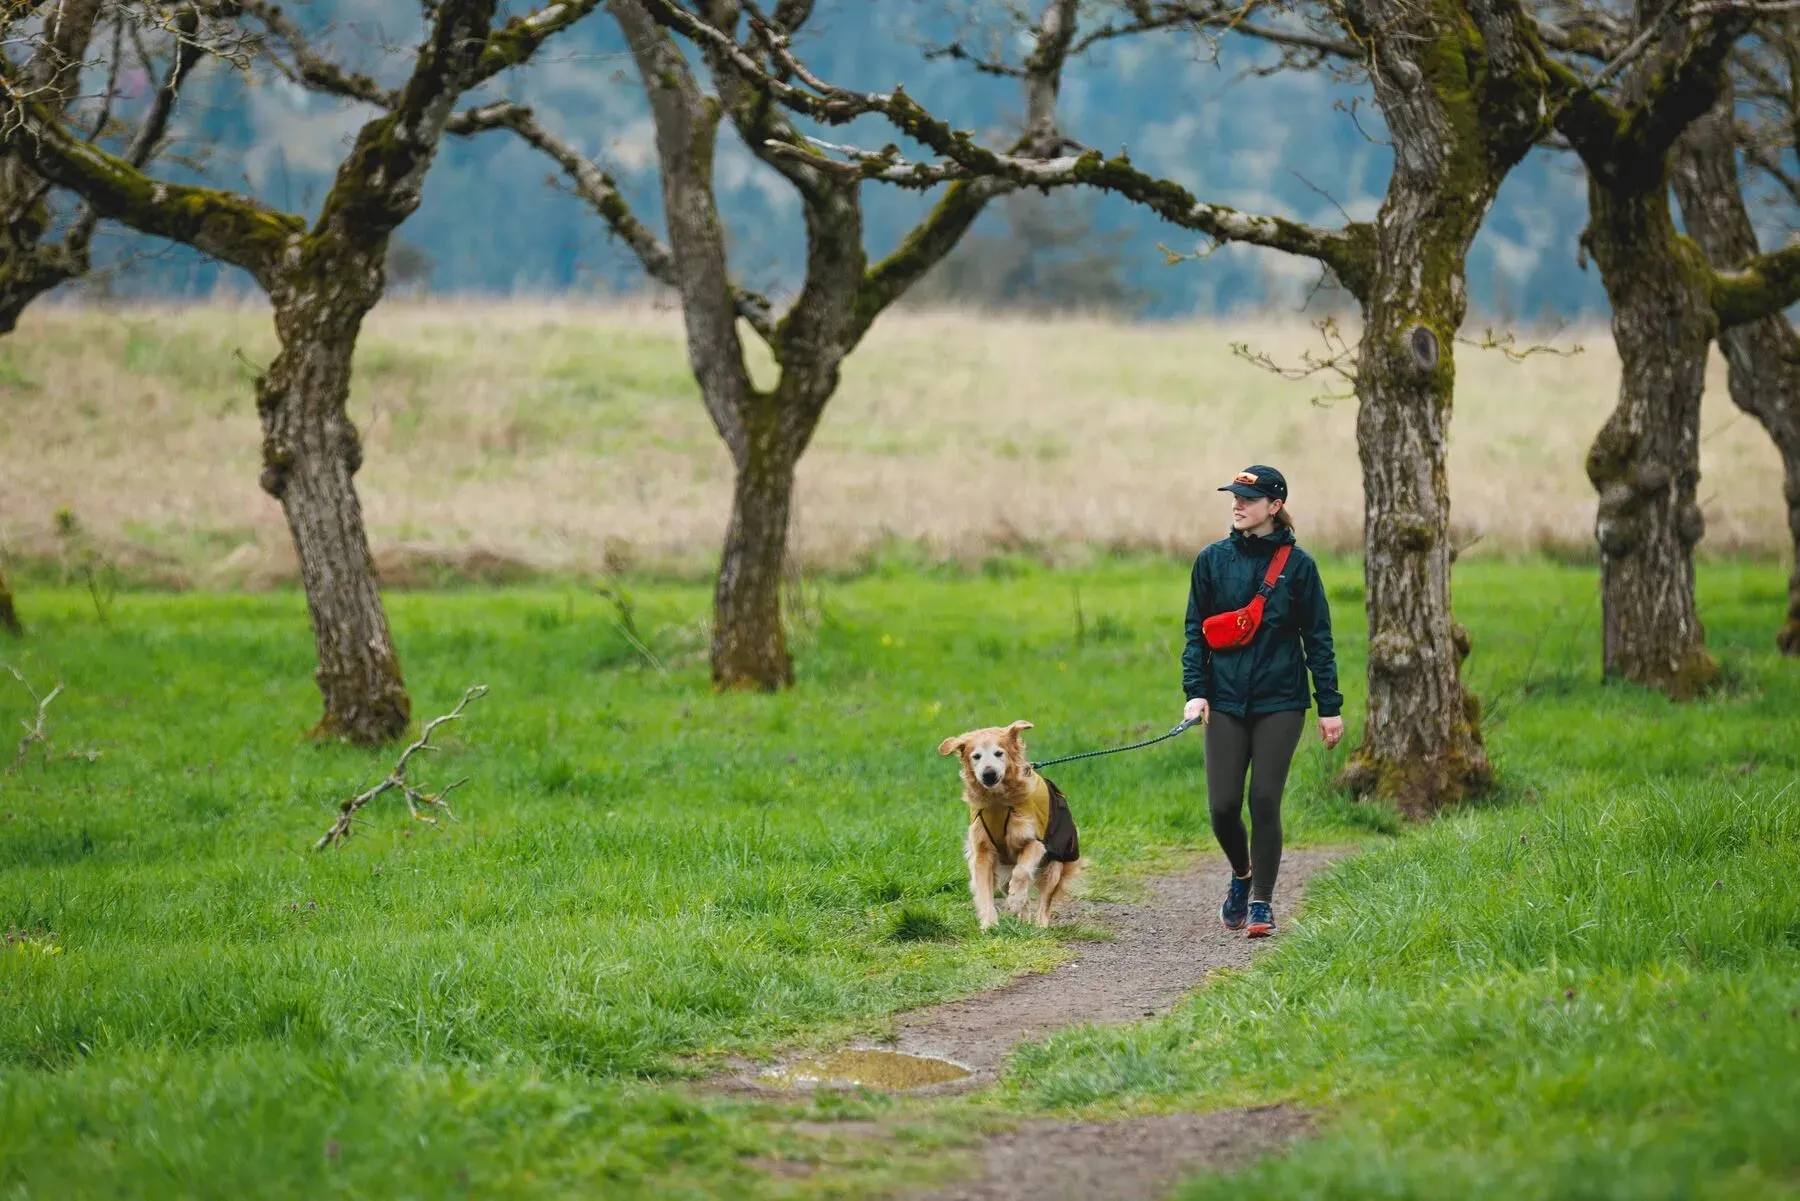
[
  {"x": 1012, "y": 731},
  {"x": 952, "y": 745}
]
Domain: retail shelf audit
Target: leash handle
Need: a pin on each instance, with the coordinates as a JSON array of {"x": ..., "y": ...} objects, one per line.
[{"x": 1116, "y": 749}]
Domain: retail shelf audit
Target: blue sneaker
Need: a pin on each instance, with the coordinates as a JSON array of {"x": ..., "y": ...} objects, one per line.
[
  {"x": 1237, "y": 902},
  {"x": 1262, "y": 920}
]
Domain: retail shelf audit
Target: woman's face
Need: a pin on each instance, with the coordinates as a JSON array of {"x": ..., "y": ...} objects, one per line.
[{"x": 1251, "y": 512}]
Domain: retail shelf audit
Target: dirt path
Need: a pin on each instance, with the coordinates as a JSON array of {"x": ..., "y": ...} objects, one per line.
[
  {"x": 1136, "y": 1159},
  {"x": 1163, "y": 947},
  {"x": 1161, "y": 950}
]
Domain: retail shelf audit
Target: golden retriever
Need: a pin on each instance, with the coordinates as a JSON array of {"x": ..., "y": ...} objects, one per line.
[{"x": 1017, "y": 819}]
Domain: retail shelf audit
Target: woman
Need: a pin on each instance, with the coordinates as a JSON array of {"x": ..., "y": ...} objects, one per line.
[{"x": 1252, "y": 696}]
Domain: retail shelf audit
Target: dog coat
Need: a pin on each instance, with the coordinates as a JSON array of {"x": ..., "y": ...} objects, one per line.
[{"x": 1049, "y": 811}]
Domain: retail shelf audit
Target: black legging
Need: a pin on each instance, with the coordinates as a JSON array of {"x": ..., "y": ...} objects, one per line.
[{"x": 1265, "y": 745}]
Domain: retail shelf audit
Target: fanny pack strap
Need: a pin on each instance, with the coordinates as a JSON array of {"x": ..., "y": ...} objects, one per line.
[{"x": 1274, "y": 573}]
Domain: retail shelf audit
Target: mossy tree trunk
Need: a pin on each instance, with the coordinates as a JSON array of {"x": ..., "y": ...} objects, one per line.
[
  {"x": 767, "y": 431},
  {"x": 1762, "y": 355},
  {"x": 1461, "y": 92},
  {"x": 311, "y": 450},
  {"x": 1668, "y": 303},
  {"x": 749, "y": 645},
  {"x": 1645, "y": 462},
  {"x": 749, "y": 648},
  {"x": 311, "y": 453}
]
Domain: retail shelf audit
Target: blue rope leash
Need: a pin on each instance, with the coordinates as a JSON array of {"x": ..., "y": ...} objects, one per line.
[{"x": 1116, "y": 749}]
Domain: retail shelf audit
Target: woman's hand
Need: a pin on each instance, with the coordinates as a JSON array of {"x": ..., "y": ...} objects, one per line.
[
  {"x": 1197, "y": 710},
  {"x": 1330, "y": 730}
]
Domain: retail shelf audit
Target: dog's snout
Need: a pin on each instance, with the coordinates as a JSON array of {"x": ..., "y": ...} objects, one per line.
[{"x": 990, "y": 777}]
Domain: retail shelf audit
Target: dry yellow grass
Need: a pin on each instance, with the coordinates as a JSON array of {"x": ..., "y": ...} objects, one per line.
[{"x": 560, "y": 435}]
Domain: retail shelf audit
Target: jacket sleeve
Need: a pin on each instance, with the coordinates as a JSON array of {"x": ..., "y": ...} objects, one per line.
[
  {"x": 1315, "y": 635},
  {"x": 1196, "y": 657}
]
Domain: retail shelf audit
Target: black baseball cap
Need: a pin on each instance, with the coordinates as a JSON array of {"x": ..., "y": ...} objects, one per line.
[{"x": 1258, "y": 480}]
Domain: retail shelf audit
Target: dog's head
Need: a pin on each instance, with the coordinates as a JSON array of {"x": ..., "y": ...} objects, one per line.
[{"x": 993, "y": 757}]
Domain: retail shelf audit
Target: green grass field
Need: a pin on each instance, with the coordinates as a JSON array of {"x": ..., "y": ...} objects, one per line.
[{"x": 1587, "y": 985}]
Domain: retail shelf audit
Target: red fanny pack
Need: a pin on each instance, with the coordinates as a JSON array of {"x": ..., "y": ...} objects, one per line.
[{"x": 1234, "y": 630}]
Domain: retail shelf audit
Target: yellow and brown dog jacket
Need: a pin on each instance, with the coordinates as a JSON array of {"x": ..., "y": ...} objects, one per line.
[{"x": 1049, "y": 811}]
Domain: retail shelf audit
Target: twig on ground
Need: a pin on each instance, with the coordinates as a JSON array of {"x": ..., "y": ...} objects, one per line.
[
  {"x": 34, "y": 731},
  {"x": 415, "y": 798}
]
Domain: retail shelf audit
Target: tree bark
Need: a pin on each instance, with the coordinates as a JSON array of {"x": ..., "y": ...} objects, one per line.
[
  {"x": 1645, "y": 462},
  {"x": 311, "y": 453},
  {"x": 1461, "y": 92},
  {"x": 749, "y": 648},
  {"x": 27, "y": 271},
  {"x": 9, "y": 616},
  {"x": 1762, "y": 356}
]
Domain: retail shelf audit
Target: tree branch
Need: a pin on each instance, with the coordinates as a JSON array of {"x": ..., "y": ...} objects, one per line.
[
  {"x": 232, "y": 228},
  {"x": 516, "y": 41},
  {"x": 927, "y": 243},
  {"x": 156, "y": 122},
  {"x": 686, "y": 131},
  {"x": 1677, "y": 91},
  {"x": 309, "y": 68},
  {"x": 1347, "y": 251},
  {"x": 1762, "y": 287},
  {"x": 1586, "y": 35},
  {"x": 149, "y": 136},
  {"x": 1222, "y": 17},
  {"x": 377, "y": 184},
  {"x": 602, "y": 194},
  {"x": 1681, "y": 92},
  {"x": 53, "y": 70},
  {"x": 340, "y": 829},
  {"x": 509, "y": 46}
]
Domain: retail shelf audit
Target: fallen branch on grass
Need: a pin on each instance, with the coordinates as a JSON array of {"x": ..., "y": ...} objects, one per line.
[
  {"x": 34, "y": 731},
  {"x": 415, "y": 799}
]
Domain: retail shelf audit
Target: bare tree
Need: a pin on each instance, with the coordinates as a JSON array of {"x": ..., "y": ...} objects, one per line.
[
  {"x": 841, "y": 295},
  {"x": 1668, "y": 305},
  {"x": 322, "y": 281},
  {"x": 1763, "y": 355}
]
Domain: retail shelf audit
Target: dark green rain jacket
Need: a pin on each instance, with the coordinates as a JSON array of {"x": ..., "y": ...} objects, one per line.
[{"x": 1269, "y": 675}]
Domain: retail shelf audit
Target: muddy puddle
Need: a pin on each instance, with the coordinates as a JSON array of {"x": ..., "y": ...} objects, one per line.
[{"x": 866, "y": 1067}]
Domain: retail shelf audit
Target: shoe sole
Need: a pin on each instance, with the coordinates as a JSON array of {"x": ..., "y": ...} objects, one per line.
[
  {"x": 1259, "y": 931},
  {"x": 1233, "y": 929}
]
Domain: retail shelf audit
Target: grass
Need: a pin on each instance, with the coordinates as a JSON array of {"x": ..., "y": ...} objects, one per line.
[
  {"x": 558, "y": 437},
  {"x": 647, "y": 877}
]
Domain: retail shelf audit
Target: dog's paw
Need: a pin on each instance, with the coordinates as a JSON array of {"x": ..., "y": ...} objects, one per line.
[{"x": 1015, "y": 905}]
